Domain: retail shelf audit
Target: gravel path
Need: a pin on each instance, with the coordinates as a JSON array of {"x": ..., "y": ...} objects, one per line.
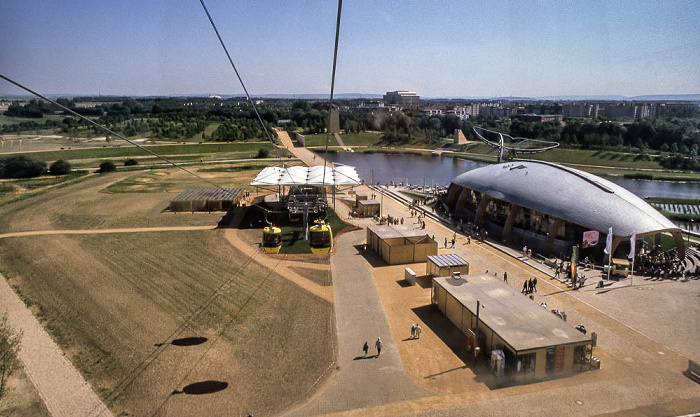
[
  {"x": 361, "y": 382},
  {"x": 60, "y": 385}
]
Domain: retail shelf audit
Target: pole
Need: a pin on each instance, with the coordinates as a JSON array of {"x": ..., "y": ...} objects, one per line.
[
  {"x": 381, "y": 205},
  {"x": 478, "y": 305}
]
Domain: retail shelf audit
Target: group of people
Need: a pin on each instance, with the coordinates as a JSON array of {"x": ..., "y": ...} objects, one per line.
[
  {"x": 530, "y": 286},
  {"x": 377, "y": 344},
  {"x": 663, "y": 265},
  {"x": 415, "y": 331}
]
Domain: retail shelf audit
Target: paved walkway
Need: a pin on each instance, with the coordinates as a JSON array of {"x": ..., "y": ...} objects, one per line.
[
  {"x": 60, "y": 385},
  {"x": 361, "y": 382}
]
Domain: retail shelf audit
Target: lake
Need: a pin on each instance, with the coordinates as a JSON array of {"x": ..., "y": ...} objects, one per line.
[{"x": 424, "y": 169}]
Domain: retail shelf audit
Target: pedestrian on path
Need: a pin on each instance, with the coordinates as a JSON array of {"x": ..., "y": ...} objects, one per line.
[
  {"x": 524, "y": 287},
  {"x": 413, "y": 331},
  {"x": 453, "y": 243},
  {"x": 534, "y": 284},
  {"x": 505, "y": 277},
  {"x": 378, "y": 344},
  {"x": 365, "y": 349},
  {"x": 445, "y": 243},
  {"x": 418, "y": 330}
]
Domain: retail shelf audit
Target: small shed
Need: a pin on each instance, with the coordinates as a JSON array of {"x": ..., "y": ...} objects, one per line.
[
  {"x": 361, "y": 195},
  {"x": 446, "y": 265},
  {"x": 367, "y": 208},
  {"x": 206, "y": 199},
  {"x": 400, "y": 244}
]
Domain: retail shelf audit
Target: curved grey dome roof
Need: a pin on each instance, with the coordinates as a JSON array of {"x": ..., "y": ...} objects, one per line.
[{"x": 573, "y": 195}]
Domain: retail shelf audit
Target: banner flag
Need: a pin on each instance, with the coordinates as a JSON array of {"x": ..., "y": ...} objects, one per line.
[
  {"x": 590, "y": 238},
  {"x": 608, "y": 242},
  {"x": 633, "y": 240}
]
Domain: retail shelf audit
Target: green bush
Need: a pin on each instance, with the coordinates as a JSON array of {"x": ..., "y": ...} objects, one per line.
[
  {"x": 60, "y": 167},
  {"x": 130, "y": 162},
  {"x": 21, "y": 166},
  {"x": 262, "y": 153},
  {"x": 107, "y": 166}
]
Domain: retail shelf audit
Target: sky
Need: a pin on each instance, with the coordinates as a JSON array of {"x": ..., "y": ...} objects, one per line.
[{"x": 458, "y": 48}]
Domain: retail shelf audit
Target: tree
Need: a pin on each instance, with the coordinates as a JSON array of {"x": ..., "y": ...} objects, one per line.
[
  {"x": 21, "y": 166},
  {"x": 9, "y": 348},
  {"x": 107, "y": 166},
  {"x": 262, "y": 153},
  {"x": 60, "y": 167}
]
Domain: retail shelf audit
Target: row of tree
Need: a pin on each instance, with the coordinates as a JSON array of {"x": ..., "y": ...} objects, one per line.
[{"x": 21, "y": 166}]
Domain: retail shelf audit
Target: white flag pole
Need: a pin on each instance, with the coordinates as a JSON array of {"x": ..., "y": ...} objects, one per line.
[
  {"x": 633, "y": 242},
  {"x": 608, "y": 250}
]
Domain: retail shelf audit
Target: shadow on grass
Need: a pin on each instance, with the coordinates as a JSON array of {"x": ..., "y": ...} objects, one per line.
[{"x": 204, "y": 387}]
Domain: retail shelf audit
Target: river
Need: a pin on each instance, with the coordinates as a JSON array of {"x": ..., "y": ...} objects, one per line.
[{"x": 425, "y": 170}]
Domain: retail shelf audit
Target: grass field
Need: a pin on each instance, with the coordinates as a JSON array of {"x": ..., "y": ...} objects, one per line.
[
  {"x": 350, "y": 139},
  {"x": 165, "y": 150},
  {"x": 116, "y": 303}
]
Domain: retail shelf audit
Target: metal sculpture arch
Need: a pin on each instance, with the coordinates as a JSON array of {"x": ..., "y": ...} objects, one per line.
[{"x": 510, "y": 146}]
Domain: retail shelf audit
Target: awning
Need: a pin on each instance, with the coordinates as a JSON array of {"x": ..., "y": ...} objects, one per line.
[{"x": 334, "y": 175}]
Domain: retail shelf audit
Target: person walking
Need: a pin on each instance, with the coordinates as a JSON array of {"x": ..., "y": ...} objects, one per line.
[
  {"x": 413, "y": 331},
  {"x": 524, "y": 287},
  {"x": 505, "y": 277},
  {"x": 418, "y": 330},
  {"x": 445, "y": 243},
  {"x": 534, "y": 284},
  {"x": 365, "y": 348},
  {"x": 378, "y": 344},
  {"x": 453, "y": 243}
]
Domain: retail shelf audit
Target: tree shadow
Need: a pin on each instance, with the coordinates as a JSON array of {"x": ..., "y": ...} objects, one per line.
[{"x": 204, "y": 387}]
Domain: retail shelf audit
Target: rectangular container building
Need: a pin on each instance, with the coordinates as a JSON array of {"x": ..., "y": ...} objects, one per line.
[
  {"x": 206, "y": 199},
  {"x": 446, "y": 265},
  {"x": 536, "y": 343},
  {"x": 400, "y": 244},
  {"x": 367, "y": 208}
]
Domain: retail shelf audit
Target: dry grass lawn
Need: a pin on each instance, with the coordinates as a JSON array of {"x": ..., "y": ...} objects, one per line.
[{"x": 126, "y": 307}]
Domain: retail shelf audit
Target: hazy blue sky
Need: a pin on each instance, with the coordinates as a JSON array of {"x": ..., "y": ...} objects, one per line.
[{"x": 437, "y": 48}]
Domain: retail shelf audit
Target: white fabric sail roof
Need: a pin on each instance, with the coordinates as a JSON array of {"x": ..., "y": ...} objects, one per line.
[{"x": 335, "y": 175}]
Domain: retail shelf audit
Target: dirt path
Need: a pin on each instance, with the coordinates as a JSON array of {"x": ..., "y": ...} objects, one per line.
[
  {"x": 60, "y": 385},
  {"x": 103, "y": 231},
  {"x": 284, "y": 268}
]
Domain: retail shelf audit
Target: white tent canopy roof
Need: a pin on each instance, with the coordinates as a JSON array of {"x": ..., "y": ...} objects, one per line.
[{"x": 335, "y": 175}]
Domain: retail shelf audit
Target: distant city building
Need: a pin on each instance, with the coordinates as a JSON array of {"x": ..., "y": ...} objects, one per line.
[
  {"x": 402, "y": 98},
  {"x": 372, "y": 104},
  {"x": 538, "y": 117},
  {"x": 629, "y": 110},
  {"x": 432, "y": 111},
  {"x": 574, "y": 110}
]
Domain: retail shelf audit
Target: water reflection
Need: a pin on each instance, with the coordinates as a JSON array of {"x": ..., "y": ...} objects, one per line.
[{"x": 425, "y": 170}]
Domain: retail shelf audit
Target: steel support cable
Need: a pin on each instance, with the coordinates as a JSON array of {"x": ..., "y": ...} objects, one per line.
[
  {"x": 252, "y": 103},
  {"x": 330, "y": 107},
  {"x": 106, "y": 129},
  {"x": 136, "y": 372}
]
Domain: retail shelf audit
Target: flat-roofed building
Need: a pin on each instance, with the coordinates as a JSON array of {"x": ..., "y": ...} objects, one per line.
[
  {"x": 536, "y": 343},
  {"x": 400, "y": 244},
  {"x": 402, "y": 98}
]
